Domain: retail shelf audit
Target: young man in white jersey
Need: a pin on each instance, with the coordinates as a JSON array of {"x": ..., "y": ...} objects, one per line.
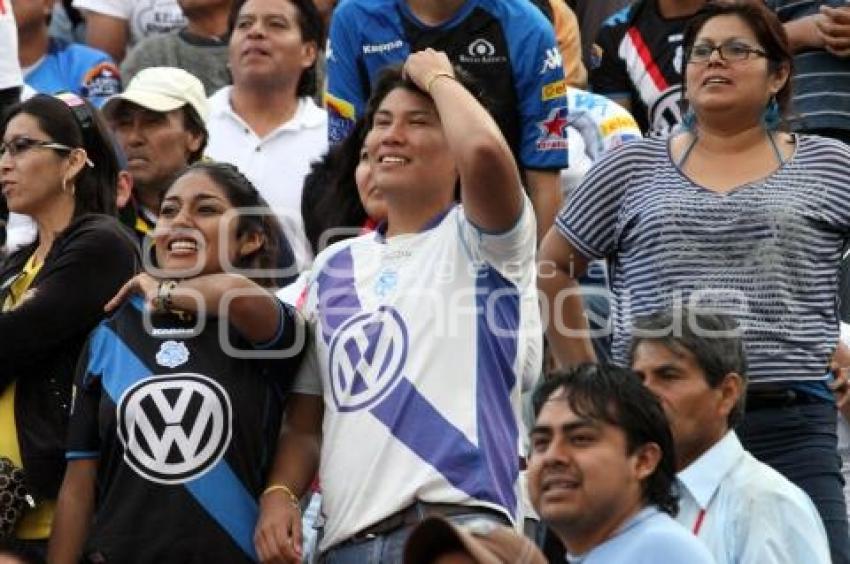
[{"x": 424, "y": 335}]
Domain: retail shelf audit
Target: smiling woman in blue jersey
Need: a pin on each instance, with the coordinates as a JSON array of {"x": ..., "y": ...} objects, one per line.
[
  {"x": 424, "y": 334},
  {"x": 178, "y": 396},
  {"x": 734, "y": 214}
]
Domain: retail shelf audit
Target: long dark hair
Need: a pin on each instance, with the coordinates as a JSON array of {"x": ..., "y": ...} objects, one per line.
[
  {"x": 241, "y": 193},
  {"x": 330, "y": 198},
  {"x": 77, "y": 125}
]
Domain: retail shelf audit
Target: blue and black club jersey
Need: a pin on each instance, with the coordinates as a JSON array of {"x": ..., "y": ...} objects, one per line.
[
  {"x": 184, "y": 432},
  {"x": 638, "y": 56},
  {"x": 508, "y": 46}
]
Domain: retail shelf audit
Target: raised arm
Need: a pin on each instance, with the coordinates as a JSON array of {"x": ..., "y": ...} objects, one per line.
[
  {"x": 249, "y": 307},
  {"x": 559, "y": 268},
  {"x": 490, "y": 186}
]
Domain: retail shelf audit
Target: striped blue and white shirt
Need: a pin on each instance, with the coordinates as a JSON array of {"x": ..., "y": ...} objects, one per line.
[
  {"x": 766, "y": 252},
  {"x": 821, "y": 80}
]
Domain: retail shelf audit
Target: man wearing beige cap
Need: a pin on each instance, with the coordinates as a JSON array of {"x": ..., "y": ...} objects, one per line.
[
  {"x": 159, "y": 121},
  {"x": 439, "y": 541}
]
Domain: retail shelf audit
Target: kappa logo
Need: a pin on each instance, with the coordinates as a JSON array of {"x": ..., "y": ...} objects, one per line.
[
  {"x": 383, "y": 47},
  {"x": 552, "y": 60},
  {"x": 481, "y": 51},
  {"x": 366, "y": 358},
  {"x": 174, "y": 428}
]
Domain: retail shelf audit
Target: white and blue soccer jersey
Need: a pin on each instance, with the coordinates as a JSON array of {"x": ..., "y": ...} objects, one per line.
[
  {"x": 421, "y": 346},
  {"x": 507, "y": 45},
  {"x": 596, "y": 125},
  {"x": 76, "y": 68}
]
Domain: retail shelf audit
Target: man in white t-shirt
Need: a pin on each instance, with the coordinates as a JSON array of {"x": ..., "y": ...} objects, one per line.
[
  {"x": 744, "y": 511},
  {"x": 267, "y": 123},
  {"x": 114, "y": 26}
]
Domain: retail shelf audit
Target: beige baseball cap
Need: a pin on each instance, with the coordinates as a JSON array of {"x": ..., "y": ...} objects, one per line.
[
  {"x": 482, "y": 540},
  {"x": 163, "y": 89}
]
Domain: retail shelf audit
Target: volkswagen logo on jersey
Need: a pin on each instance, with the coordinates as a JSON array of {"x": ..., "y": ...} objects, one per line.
[
  {"x": 366, "y": 358},
  {"x": 174, "y": 428}
]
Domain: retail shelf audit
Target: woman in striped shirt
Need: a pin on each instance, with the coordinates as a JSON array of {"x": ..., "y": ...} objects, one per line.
[{"x": 734, "y": 214}]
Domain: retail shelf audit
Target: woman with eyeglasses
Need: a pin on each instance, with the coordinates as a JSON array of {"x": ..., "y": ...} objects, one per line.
[
  {"x": 57, "y": 166},
  {"x": 730, "y": 213}
]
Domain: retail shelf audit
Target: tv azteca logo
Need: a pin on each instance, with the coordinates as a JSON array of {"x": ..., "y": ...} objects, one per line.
[
  {"x": 174, "y": 428},
  {"x": 481, "y": 51}
]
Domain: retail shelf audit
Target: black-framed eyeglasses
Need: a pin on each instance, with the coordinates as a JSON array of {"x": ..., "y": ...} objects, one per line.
[
  {"x": 20, "y": 145},
  {"x": 731, "y": 52}
]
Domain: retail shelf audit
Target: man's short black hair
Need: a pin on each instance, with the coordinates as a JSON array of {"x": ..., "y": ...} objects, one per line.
[
  {"x": 615, "y": 395},
  {"x": 711, "y": 337}
]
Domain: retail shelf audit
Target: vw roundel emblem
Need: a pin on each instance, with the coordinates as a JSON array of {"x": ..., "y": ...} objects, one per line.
[
  {"x": 366, "y": 358},
  {"x": 174, "y": 428}
]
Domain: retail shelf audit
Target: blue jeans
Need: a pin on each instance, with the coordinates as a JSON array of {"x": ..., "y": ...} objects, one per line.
[
  {"x": 800, "y": 442},
  {"x": 388, "y": 548}
]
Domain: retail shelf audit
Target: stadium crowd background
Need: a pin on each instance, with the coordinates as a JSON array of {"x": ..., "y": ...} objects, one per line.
[{"x": 248, "y": 151}]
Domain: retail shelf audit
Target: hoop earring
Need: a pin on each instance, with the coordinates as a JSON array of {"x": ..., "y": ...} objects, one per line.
[
  {"x": 689, "y": 120},
  {"x": 771, "y": 117},
  {"x": 65, "y": 190}
]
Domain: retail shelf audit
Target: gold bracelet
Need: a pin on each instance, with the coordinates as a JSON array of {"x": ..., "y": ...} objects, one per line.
[
  {"x": 430, "y": 82},
  {"x": 285, "y": 489}
]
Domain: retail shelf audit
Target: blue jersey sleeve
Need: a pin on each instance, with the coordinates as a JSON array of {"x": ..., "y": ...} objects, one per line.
[
  {"x": 541, "y": 90},
  {"x": 83, "y": 440},
  {"x": 345, "y": 97}
]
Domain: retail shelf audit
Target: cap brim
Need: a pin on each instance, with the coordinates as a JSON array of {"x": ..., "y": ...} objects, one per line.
[{"x": 149, "y": 100}]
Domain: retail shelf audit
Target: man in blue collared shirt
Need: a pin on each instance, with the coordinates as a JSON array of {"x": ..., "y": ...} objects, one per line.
[
  {"x": 601, "y": 469},
  {"x": 744, "y": 511}
]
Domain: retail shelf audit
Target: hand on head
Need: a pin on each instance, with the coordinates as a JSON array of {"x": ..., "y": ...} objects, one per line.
[{"x": 423, "y": 67}]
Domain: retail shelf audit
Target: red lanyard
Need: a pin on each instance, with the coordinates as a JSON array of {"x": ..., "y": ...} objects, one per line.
[{"x": 698, "y": 522}]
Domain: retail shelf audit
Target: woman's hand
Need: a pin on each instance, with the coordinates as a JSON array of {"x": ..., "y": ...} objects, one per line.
[
  {"x": 423, "y": 67},
  {"x": 277, "y": 537},
  {"x": 143, "y": 284}
]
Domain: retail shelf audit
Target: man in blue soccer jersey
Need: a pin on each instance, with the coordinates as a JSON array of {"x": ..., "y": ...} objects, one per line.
[
  {"x": 52, "y": 65},
  {"x": 424, "y": 335},
  {"x": 508, "y": 46}
]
